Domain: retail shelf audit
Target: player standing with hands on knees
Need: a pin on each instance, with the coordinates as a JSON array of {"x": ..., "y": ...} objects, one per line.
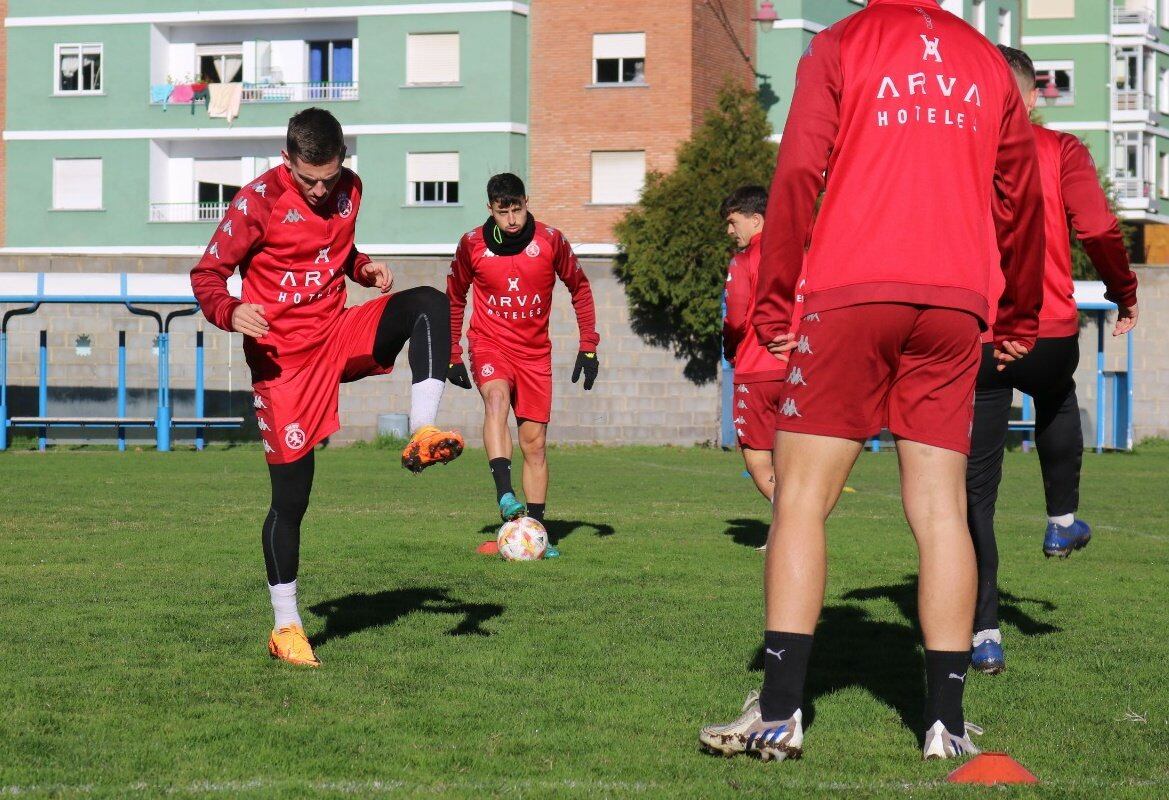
[
  {"x": 1072, "y": 194},
  {"x": 513, "y": 261},
  {"x": 909, "y": 121},
  {"x": 290, "y": 233},
  {"x": 759, "y": 375}
]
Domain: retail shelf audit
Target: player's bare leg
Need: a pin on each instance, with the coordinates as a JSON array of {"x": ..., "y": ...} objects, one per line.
[
  {"x": 761, "y": 467},
  {"x": 933, "y": 489},
  {"x": 497, "y": 439}
]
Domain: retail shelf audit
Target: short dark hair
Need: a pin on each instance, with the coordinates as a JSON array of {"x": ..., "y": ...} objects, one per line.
[
  {"x": 315, "y": 137},
  {"x": 506, "y": 189},
  {"x": 1020, "y": 63},
  {"x": 745, "y": 200}
]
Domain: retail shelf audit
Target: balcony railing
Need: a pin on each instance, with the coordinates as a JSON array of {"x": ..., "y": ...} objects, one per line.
[
  {"x": 1132, "y": 188},
  {"x": 1132, "y": 16},
  {"x": 163, "y": 94},
  {"x": 299, "y": 92},
  {"x": 187, "y": 212},
  {"x": 1133, "y": 100}
]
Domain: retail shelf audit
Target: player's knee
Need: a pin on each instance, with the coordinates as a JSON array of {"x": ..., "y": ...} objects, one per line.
[
  {"x": 535, "y": 448},
  {"x": 431, "y": 303},
  {"x": 496, "y": 403}
]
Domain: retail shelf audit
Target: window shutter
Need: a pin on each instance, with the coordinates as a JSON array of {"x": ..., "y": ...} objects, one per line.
[
  {"x": 225, "y": 171},
  {"x": 432, "y": 58},
  {"x": 77, "y": 183},
  {"x": 423, "y": 167},
  {"x": 618, "y": 45},
  {"x": 618, "y": 177}
]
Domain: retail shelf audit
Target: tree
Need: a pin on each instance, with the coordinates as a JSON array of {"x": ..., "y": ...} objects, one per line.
[{"x": 674, "y": 246}]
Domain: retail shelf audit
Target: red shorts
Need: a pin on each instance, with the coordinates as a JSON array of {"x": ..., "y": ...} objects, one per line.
[
  {"x": 756, "y": 409},
  {"x": 907, "y": 368},
  {"x": 298, "y": 409},
  {"x": 530, "y": 380}
]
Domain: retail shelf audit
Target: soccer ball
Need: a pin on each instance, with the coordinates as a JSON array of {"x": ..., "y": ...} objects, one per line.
[{"x": 522, "y": 539}]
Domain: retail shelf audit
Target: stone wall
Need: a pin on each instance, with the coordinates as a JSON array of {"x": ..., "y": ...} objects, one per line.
[{"x": 640, "y": 397}]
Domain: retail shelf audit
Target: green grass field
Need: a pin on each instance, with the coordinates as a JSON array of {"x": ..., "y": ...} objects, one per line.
[{"x": 133, "y": 618}]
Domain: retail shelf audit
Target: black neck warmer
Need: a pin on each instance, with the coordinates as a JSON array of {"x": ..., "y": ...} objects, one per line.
[{"x": 503, "y": 243}]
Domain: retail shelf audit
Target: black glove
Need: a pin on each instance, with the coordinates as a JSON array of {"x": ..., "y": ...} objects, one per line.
[
  {"x": 457, "y": 374},
  {"x": 588, "y": 364}
]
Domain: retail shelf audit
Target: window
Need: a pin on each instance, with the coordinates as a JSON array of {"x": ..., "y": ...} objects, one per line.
[
  {"x": 618, "y": 177},
  {"x": 1051, "y": 9},
  {"x": 432, "y": 58},
  {"x": 1164, "y": 175},
  {"x": 619, "y": 58},
  {"x": 1006, "y": 32},
  {"x": 216, "y": 182},
  {"x": 77, "y": 184},
  {"x": 330, "y": 62},
  {"x": 78, "y": 69},
  {"x": 221, "y": 63},
  {"x": 1056, "y": 82},
  {"x": 432, "y": 179}
]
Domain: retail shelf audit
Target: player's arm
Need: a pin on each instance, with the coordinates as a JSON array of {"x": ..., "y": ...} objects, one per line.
[
  {"x": 804, "y": 152},
  {"x": 1019, "y": 227},
  {"x": 458, "y": 282},
  {"x": 239, "y": 234},
  {"x": 1098, "y": 229},
  {"x": 569, "y": 270},
  {"x": 738, "y": 300}
]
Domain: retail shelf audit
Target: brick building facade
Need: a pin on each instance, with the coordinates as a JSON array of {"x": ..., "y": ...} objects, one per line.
[{"x": 689, "y": 53}]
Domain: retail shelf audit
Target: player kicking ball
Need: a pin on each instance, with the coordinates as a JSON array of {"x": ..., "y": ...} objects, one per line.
[
  {"x": 513, "y": 261},
  {"x": 907, "y": 119},
  {"x": 290, "y": 234},
  {"x": 1072, "y": 197},
  {"x": 759, "y": 375}
]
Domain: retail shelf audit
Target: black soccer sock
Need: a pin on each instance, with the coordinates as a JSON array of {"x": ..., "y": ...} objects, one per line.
[
  {"x": 945, "y": 681},
  {"x": 501, "y": 471},
  {"x": 536, "y": 512},
  {"x": 785, "y": 665}
]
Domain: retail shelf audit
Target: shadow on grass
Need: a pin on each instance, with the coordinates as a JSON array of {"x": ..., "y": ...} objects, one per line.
[
  {"x": 854, "y": 648},
  {"x": 360, "y": 611},
  {"x": 748, "y": 532},
  {"x": 559, "y": 529},
  {"x": 1011, "y": 606}
]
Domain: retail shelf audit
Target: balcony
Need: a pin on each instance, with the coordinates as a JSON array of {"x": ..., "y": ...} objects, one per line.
[
  {"x": 1133, "y": 100},
  {"x": 187, "y": 212},
  {"x": 1133, "y": 194},
  {"x": 311, "y": 92},
  {"x": 1133, "y": 21}
]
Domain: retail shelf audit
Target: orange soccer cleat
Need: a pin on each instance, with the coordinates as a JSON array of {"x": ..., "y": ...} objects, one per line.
[
  {"x": 430, "y": 446},
  {"x": 290, "y": 644}
]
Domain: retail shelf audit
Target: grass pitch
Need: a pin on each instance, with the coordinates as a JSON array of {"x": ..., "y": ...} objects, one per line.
[{"x": 133, "y": 618}]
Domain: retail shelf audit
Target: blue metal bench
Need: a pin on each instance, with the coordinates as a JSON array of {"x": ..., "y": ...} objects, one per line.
[{"x": 33, "y": 289}]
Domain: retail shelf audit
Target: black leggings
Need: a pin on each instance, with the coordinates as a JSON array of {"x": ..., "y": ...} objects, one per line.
[
  {"x": 1047, "y": 375},
  {"x": 420, "y": 316}
]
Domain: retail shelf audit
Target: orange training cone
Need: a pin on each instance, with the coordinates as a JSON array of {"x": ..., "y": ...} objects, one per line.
[
  {"x": 488, "y": 548},
  {"x": 991, "y": 768}
]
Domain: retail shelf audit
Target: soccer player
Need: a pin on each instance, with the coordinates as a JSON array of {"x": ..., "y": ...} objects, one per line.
[
  {"x": 1072, "y": 193},
  {"x": 758, "y": 374},
  {"x": 908, "y": 120},
  {"x": 290, "y": 234},
  {"x": 513, "y": 262}
]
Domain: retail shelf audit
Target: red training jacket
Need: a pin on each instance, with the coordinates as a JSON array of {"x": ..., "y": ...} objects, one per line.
[
  {"x": 750, "y": 359},
  {"x": 513, "y": 294},
  {"x": 909, "y": 120},
  {"x": 293, "y": 260},
  {"x": 1072, "y": 194}
]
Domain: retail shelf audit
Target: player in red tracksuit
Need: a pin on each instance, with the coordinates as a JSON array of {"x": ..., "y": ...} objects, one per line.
[
  {"x": 513, "y": 261},
  {"x": 909, "y": 121},
  {"x": 1072, "y": 194},
  {"x": 290, "y": 235},
  {"x": 758, "y": 374}
]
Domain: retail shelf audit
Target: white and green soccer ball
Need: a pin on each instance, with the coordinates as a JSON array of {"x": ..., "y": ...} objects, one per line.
[{"x": 522, "y": 539}]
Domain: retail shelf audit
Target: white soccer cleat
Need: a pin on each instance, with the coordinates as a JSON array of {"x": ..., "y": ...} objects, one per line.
[
  {"x": 771, "y": 741},
  {"x": 940, "y": 743}
]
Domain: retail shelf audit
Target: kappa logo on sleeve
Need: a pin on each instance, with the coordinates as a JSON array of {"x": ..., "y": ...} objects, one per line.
[
  {"x": 242, "y": 206},
  {"x": 260, "y": 188},
  {"x": 227, "y": 228},
  {"x": 292, "y": 216},
  {"x": 213, "y": 250}
]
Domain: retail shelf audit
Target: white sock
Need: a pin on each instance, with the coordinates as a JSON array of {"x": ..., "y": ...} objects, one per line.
[
  {"x": 989, "y": 635},
  {"x": 424, "y": 399},
  {"x": 284, "y": 604},
  {"x": 1063, "y": 520}
]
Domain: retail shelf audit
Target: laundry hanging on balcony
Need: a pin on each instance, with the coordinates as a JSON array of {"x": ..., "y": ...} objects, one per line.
[{"x": 224, "y": 102}]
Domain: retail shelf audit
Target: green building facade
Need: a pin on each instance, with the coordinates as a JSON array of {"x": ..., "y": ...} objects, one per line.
[{"x": 111, "y": 143}]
